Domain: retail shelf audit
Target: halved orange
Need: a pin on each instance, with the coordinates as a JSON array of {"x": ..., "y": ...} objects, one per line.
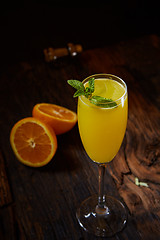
[
  {"x": 59, "y": 118},
  {"x": 33, "y": 142}
]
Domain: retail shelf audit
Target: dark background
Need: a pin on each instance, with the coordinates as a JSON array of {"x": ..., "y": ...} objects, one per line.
[{"x": 29, "y": 27}]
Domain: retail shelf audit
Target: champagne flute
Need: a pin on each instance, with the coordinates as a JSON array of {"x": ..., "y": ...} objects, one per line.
[{"x": 102, "y": 129}]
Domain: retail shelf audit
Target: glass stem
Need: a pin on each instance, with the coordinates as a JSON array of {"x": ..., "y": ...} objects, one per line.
[{"x": 101, "y": 196}]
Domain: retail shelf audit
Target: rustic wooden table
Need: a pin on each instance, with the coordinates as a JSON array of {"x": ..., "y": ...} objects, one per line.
[{"x": 41, "y": 203}]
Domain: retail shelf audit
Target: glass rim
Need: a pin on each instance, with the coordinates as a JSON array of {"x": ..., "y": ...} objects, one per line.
[{"x": 107, "y": 75}]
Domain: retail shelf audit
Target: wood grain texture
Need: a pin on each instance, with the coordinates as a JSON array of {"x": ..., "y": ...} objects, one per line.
[
  {"x": 44, "y": 200},
  {"x": 5, "y": 191}
]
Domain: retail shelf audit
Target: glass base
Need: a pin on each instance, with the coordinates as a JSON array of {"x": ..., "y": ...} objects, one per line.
[{"x": 102, "y": 223}]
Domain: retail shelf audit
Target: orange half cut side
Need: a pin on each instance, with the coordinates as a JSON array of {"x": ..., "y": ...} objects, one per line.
[
  {"x": 33, "y": 142},
  {"x": 59, "y": 118}
]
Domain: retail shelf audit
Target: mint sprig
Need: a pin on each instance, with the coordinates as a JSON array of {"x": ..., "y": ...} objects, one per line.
[
  {"x": 88, "y": 91},
  {"x": 103, "y": 102}
]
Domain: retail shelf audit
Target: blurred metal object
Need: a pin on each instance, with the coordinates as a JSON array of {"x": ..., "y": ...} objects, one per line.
[{"x": 52, "y": 54}]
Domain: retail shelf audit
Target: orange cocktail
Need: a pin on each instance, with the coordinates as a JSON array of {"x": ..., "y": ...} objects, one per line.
[{"x": 102, "y": 129}]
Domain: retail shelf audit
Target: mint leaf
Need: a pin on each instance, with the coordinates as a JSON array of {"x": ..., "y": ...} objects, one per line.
[
  {"x": 88, "y": 92},
  {"x": 91, "y": 84},
  {"x": 76, "y": 84},
  {"x": 78, "y": 93},
  {"x": 103, "y": 102}
]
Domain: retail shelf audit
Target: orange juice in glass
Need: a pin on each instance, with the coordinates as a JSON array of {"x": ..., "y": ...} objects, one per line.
[
  {"x": 102, "y": 120},
  {"x": 102, "y": 129}
]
